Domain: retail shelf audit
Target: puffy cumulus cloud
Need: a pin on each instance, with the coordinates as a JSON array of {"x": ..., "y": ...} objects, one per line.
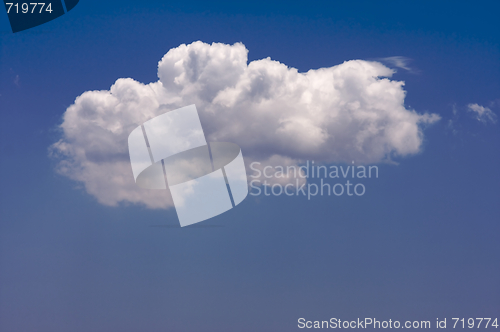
[
  {"x": 351, "y": 111},
  {"x": 93, "y": 149},
  {"x": 483, "y": 114}
]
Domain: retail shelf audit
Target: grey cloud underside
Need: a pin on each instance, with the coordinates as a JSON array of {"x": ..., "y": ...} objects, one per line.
[{"x": 351, "y": 111}]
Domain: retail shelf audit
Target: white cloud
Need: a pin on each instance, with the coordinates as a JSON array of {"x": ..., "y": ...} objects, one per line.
[
  {"x": 351, "y": 111},
  {"x": 399, "y": 62},
  {"x": 483, "y": 114}
]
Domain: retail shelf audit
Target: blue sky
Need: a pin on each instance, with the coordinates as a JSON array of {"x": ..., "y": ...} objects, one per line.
[{"x": 422, "y": 243}]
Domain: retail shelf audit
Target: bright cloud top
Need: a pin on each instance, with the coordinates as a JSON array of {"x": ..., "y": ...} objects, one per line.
[{"x": 351, "y": 111}]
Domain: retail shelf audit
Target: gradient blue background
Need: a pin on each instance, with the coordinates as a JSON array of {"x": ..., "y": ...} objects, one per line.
[{"x": 422, "y": 243}]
